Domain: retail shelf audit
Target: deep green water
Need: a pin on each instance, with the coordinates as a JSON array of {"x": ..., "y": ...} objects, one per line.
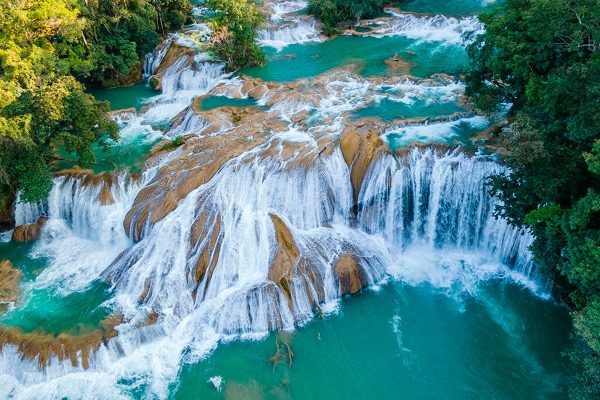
[
  {"x": 121, "y": 98},
  {"x": 403, "y": 342}
]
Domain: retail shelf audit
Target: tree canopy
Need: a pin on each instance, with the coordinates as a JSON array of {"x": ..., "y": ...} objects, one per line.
[
  {"x": 542, "y": 57},
  {"x": 47, "y": 47},
  {"x": 338, "y": 14},
  {"x": 234, "y": 38}
]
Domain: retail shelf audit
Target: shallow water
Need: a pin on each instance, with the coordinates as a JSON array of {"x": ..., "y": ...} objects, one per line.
[{"x": 366, "y": 53}]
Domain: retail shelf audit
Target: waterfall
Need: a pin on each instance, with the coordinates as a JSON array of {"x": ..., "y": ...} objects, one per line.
[
  {"x": 437, "y": 28},
  {"x": 85, "y": 218},
  {"x": 190, "y": 123},
  {"x": 207, "y": 268},
  {"x": 440, "y": 201},
  {"x": 181, "y": 76},
  {"x": 231, "y": 226},
  {"x": 153, "y": 60},
  {"x": 29, "y": 212},
  {"x": 293, "y": 33}
]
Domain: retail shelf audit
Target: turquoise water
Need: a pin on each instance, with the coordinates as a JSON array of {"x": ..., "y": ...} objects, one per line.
[
  {"x": 121, "y": 98},
  {"x": 389, "y": 110},
  {"x": 127, "y": 153},
  {"x": 211, "y": 102},
  {"x": 403, "y": 342},
  {"x": 367, "y": 54},
  {"x": 44, "y": 308},
  {"x": 489, "y": 340},
  {"x": 445, "y": 6}
]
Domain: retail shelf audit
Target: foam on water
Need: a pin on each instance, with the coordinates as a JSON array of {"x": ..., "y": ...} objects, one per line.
[
  {"x": 294, "y": 33},
  {"x": 285, "y": 28},
  {"x": 437, "y": 28},
  {"x": 424, "y": 219},
  {"x": 431, "y": 132}
]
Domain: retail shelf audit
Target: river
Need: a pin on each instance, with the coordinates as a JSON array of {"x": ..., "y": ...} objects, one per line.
[{"x": 324, "y": 232}]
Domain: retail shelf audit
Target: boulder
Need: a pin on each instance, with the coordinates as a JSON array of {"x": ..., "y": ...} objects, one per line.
[
  {"x": 27, "y": 232},
  {"x": 349, "y": 274}
]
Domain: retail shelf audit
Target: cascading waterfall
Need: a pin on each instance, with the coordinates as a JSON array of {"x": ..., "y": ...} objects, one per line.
[
  {"x": 437, "y": 28},
  {"x": 286, "y": 28},
  {"x": 83, "y": 218},
  {"x": 428, "y": 198},
  {"x": 237, "y": 291},
  {"x": 292, "y": 33},
  {"x": 209, "y": 271},
  {"x": 440, "y": 201}
]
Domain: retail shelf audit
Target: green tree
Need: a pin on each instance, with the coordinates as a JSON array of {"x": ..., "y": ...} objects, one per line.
[
  {"x": 42, "y": 107},
  {"x": 337, "y": 15},
  {"x": 234, "y": 27},
  {"x": 118, "y": 34},
  {"x": 542, "y": 57}
]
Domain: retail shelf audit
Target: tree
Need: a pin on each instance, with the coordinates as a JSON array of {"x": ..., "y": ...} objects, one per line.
[
  {"x": 543, "y": 58},
  {"x": 336, "y": 15},
  {"x": 42, "y": 107},
  {"x": 234, "y": 29}
]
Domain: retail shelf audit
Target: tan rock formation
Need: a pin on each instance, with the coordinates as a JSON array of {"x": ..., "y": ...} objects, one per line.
[
  {"x": 27, "y": 232},
  {"x": 63, "y": 346},
  {"x": 397, "y": 64},
  {"x": 360, "y": 146},
  {"x": 349, "y": 274},
  {"x": 10, "y": 277}
]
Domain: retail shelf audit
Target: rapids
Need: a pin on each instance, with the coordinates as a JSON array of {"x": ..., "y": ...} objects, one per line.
[{"x": 323, "y": 174}]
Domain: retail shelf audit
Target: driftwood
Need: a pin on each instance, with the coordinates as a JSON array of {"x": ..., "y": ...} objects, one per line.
[{"x": 276, "y": 358}]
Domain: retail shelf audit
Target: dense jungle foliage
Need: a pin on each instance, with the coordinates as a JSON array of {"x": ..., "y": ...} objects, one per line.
[
  {"x": 543, "y": 58},
  {"x": 47, "y": 48},
  {"x": 339, "y": 14}
]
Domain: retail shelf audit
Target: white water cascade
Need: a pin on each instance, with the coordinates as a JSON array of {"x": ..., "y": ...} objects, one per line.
[
  {"x": 440, "y": 201},
  {"x": 428, "y": 199},
  {"x": 285, "y": 27},
  {"x": 436, "y": 28}
]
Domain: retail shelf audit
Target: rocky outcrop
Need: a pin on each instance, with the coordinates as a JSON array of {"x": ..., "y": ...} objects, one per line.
[
  {"x": 360, "y": 146},
  {"x": 10, "y": 277},
  {"x": 104, "y": 181},
  {"x": 44, "y": 346},
  {"x": 207, "y": 235},
  {"x": 397, "y": 64},
  {"x": 349, "y": 274},
  {"x": 286, "y": 257},
  {"x": 175, "y": 52},
  {"x": 27, "y": 232},
  {"x": 198, "y": 162}
]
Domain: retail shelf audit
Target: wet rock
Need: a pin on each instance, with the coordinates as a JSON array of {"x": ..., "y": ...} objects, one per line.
[
  {"x": 43, "y": 346},
  {"x": 397, "y": 64},
  {"x": 286, "y": 258},
  {"x": 360, "y": 147},
  {"x": 124, "y": 113},
  {"x": 349, "y": 274},
  {"x": 27, "y": 232},
  {"x": 199, "y": 161},
  {"x": 10, "y": 277},
  {"x": 104, "y": 181}
]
